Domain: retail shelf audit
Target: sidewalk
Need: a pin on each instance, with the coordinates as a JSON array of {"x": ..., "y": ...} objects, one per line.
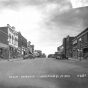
[
  {"x": 16, "y": 59},
  {"x": 82, "y": 60}
]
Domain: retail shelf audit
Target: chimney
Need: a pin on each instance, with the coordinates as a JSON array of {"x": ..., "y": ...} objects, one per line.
[{"x": 8, "y": 26}]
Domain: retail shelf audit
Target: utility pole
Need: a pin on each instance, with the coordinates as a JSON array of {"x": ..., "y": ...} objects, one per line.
[
  {"x": 8, "y": 49},
  {"x": 80, "y": 48}
]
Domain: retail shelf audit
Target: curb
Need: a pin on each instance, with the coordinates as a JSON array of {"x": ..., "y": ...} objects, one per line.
[
  {"x": 73, "y": 59},
  {"x": 78, "y": 60},
  {"x": 15, "y": 60},
  {"x": 18, "y": 59}
]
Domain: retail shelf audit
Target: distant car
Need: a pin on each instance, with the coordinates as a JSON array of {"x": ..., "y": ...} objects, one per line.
[
  {"x": 58, "y": 57},
  {"x": 31, "y": 56}
]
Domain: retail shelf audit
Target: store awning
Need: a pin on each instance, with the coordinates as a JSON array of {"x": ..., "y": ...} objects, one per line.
[{"x": 2, "y": 45}]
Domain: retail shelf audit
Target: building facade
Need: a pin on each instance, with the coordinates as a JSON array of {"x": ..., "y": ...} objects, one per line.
[
  {"x": 12, "y": 41},
  {"x": 69, "y": 46},
  {"x": 9, "y": 42},
  {"x": 64, "y": 46},
  {"x": 30, "y": 47},
  {"x": 4, "y": 43},
  {"x": 80, "y": 45},
  {"x": 22, "y": 44}
]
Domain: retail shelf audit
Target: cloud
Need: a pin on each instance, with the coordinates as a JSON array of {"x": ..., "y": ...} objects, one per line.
[
  {"x": 76, "y": 18},
  {"x": 46, "y": 21},
  {"x": 39, "y": 2},
  {"x": 11, "y": 4},
  {"x": 19, "y": 3},
  {"x": 79, "y": 3},
  {"x": 60, "y": 24}
]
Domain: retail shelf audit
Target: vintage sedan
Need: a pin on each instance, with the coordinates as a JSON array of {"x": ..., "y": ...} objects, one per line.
[{"x": 31, "y": 56}]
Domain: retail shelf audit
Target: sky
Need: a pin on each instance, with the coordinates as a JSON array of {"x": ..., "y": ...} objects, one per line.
[{"x": 45, "y": 22}]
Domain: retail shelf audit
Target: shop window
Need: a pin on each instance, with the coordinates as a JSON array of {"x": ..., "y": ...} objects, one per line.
[
  {"x": 12, "y": 39},
  {"x": 16, "y": 40}
]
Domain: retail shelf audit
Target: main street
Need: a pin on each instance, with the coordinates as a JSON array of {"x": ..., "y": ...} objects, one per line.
[{"x": 43, "y": 73}]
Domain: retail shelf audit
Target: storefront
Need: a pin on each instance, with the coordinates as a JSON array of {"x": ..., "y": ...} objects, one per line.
[
  {"x": 85, "y": 50},
  {"x": 19, "y": 51},
  {"x": 80, "y": 45},
  {"x": 4, "y": 52},
  {"x": 85, "y": 53},
  {"x": 1, "y": 52},
  {"x": 13, "y": 52},
  {"x": 23, "y": 51},
  {"x": 75, "y": 53}
]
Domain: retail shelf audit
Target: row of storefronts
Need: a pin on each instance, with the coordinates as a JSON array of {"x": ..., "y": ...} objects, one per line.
[
  {"x": 80, "y": 45},
  {"x": 11, "y": 53},
  {"x": 12, "y": 43},
  {"x": 76, "y": 47}
]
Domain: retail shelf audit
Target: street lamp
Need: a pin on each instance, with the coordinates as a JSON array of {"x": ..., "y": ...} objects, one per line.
[
  {"x": 80, "y": 48},
  {"x": 8, "y": 49}
]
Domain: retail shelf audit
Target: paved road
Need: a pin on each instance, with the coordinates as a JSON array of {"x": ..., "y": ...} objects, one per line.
[{"x": 43, "y": 73}]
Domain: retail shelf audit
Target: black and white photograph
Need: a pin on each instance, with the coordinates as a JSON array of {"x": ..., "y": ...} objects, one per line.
[{"x": 43, "y": 43}]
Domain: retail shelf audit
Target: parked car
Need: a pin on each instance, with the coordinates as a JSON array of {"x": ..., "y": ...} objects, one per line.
[
  {"x": 58, "y": 57},
  {"x": 61, "y": 57},
  {"x": 31, "y": 56}
]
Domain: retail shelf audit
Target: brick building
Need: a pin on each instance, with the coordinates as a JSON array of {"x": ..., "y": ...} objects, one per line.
[
  {"x": 22, "y": 44},
  {"x": 64, "y": 46},
  {"x": 4, "y": 42},
  {"x": 80, "y": 45},
  {"x": 69, "y": 46},
  {"x": 9, "y": 42}
]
